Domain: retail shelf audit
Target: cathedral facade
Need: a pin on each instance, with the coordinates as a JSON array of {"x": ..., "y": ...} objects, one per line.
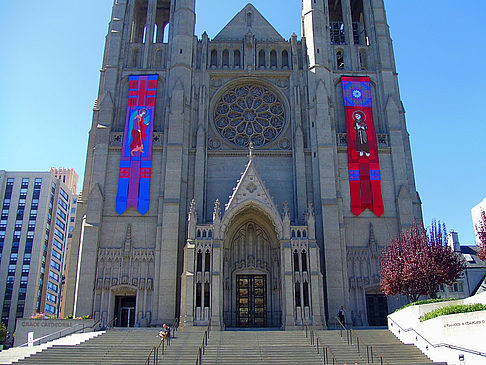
[{"x": 248, "y": 178}]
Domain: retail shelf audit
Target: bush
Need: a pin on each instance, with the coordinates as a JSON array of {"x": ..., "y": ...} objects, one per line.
[
  {"x": 69, "y": 316},
  {"x": 427, "y": 301},
  {"x": 453, "y": 309},
  {"x": 87, "y": 317}
]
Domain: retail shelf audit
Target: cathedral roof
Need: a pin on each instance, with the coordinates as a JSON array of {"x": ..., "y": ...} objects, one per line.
[{"x": 249, "y": 20}]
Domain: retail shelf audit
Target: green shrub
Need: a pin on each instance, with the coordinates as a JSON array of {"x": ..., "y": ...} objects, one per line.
[
  {"x": 453, "y": 309},
  {"x": 87, "y": 317},
  {"x": 427, "y": 301},
  {"x": 69, "y": 316}
]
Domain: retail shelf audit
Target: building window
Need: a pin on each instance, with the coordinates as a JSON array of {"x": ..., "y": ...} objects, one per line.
[
  {"x": 53, "y": 276},
  {"x": 56, "y": 254},
  {"x": 52, "y": 286},
  {"x": 50, "y": 309},
  {"x": 225, "y": 58},
  {"x": 237, "y": 58},
  {"x": 51, "y": 298},
  {"x": 214, "y": 58},
  {"x": 261, "y": 58},
  {"x": 57, "y": 244},
  {"x": 55, "y": 265},
  {"x": 285, "y": 59},
  {"x": 64, "y": 194},
  {"x": 58, "y": 234},
  {"x": 63, "y": 205},
  {"x": 273, "y": 58}
]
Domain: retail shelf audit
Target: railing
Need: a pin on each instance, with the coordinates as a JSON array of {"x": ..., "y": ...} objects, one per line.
[
  {"x": 321, "y": 349},
  {"x": 373, "y": 356},
  {"x": 58, "y": 334},
  {"x": 452, "y": 347},
  {"x": 154, "y": 355},
  {"x": 202, "y": 349}
]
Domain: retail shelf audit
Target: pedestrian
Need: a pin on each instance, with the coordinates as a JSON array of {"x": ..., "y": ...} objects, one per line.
[
  {"x": 163, "y": 333},
  {"x": 341, "y": 316}
]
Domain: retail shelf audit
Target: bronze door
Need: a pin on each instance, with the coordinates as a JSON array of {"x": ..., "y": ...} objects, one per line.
[{"x": 251, "y": 306}]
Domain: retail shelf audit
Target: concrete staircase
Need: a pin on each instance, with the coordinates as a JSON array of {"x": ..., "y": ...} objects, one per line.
[
  {"x": 394, "y": 351},
  {"x": 132, "y": 346},
  {"x": 122, "y": 346},
  {"x": 259, "y": 347}
]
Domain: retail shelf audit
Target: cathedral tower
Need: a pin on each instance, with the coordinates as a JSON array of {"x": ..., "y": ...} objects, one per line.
[{"x": 247, "y": 178}]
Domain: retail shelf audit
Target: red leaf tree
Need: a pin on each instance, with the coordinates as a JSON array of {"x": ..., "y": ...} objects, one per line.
[
  {"x": 416, "y": 263},
  {"x": 481, "y": 233}
]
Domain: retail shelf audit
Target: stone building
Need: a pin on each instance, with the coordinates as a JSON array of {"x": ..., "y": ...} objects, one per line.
[{"x": 247, "y": 178}]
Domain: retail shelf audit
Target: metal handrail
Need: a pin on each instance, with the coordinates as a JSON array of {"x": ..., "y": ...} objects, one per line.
[
  {"x": 157, "y": 349},
  {"x": 371, "y": 351},
  {"x": 111, "y": 323},
  {"x": 327, "y": 354},
  {"x": 202, "y": 349},
  {"x": 452, "y": 347},
  {"x": 59, "y": 332}
]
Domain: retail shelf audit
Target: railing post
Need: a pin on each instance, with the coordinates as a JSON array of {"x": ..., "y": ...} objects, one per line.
[{"x": 357, "y": 340}]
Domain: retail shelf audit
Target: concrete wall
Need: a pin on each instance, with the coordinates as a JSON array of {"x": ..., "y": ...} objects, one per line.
[
  {"x": 464, "y": 330},
  {"x": 44, "y": 327}
]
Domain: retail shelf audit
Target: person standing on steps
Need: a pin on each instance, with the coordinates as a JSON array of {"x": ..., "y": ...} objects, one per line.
[{"x": 341, "y": 316}]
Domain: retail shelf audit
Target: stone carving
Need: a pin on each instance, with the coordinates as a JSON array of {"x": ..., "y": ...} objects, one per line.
[
  {"x": 214, "y": 144},
  {"x": 249, "y": 113}
]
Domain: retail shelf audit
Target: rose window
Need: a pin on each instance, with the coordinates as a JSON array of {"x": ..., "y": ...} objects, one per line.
[{"x": 249, "y": 113}]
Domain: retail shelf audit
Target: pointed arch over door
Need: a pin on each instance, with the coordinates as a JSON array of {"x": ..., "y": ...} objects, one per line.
[{"x": 251, "y": 270}]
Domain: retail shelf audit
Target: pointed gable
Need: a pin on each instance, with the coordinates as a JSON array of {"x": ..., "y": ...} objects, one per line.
[
  {"x": 250, "y": 191},
  {"x": 249, "y": 19}
]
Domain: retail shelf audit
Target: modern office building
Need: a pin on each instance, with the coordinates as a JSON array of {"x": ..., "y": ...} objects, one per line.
[
  {"x": 247, "y": 178},
  {"x": 36, "y": 214}
]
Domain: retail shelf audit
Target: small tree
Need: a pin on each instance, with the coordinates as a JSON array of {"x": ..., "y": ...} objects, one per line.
[
  {"x": 481, "y": 233},
  {"x": 416, "y": 263}
]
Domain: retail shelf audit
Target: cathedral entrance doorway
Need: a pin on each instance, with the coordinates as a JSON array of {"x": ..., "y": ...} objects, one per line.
[
  {"x": 252, "y": 272},
  {"x": 125, "y": 311},
  {"x": 251, "y": 300},
  {"x": 377, "y": 308}
]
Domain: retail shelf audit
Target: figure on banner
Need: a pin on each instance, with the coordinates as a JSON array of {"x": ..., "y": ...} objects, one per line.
[
  {"x": 138, "y": 132},
  {"x": 361, "y": 135}
]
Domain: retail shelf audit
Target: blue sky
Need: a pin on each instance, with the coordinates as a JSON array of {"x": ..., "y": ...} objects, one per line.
[{"x": 52, "y": 52}]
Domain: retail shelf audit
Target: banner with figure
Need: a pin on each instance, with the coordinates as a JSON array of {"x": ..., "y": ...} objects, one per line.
[
  {"x": 136, "y": 155},
  {"x": 363, "y": 161}
]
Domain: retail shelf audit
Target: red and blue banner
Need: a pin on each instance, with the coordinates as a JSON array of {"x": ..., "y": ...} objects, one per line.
[
  {"x": 136, "y": 155},
  {"x": 363, "y": 162}
]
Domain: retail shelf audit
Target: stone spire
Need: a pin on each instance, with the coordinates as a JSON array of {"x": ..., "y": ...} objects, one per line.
[{"x": 192, "y": 220}]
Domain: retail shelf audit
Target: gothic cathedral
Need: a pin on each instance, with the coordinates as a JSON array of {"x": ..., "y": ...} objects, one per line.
[{"x": 247, "y": 179}]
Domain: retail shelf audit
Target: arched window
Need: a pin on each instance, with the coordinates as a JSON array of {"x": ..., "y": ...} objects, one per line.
[
  {"x": 340, "y": 59},
  {"x": 207, "y": 261},
  {"x": 214, "y": 58},
  {"x": 273, "y": 58},
  {"x": 296, "y": 261},
  {"x": 304, "y": 261},
  {"x": 261, "y": 58},
  {"x": 199, "y": 261},
  {"x": 166, "y": 33},
  {"x": 154, "y": 38},
  {"x": 285, "y": 59},
  {"x": 237, "y": 58},
  {"x": 248, "y": 19},
  {"x": 225, "y": 58}
]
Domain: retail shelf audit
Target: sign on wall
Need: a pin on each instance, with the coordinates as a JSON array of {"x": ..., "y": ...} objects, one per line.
[
  {"x": 363, "y": 161},
  {"x": 136, "y": 155}
]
